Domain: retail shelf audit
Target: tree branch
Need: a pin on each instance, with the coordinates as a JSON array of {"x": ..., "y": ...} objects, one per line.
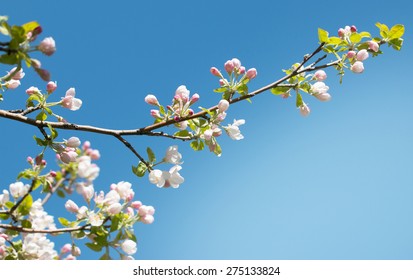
[{"x": 48, "y": 231}]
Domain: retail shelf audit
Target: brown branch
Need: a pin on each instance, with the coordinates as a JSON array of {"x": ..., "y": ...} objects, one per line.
[{"x": 48, "y": 231}]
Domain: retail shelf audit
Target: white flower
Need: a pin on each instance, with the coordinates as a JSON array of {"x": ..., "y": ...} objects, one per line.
[
  {"x": 124, "y": 190},
  {"x": 129, "y": 246},
  {"x": 233, "y": 130},
  {"x": 18, "y": 189},
  {"x": 4, "y": 197},
  {"x": 357, "y": 67},
  {"x": 182, "y": 93},
  {"x": 95, "y": 219},
  {"x": 158, "y": 177},
  {"x": 112, "y": 197},
  {"x": 114, "y": 208},
  {"x": 70, "y": 102},
  {"x": 71, "y": 206},
  {"x": 86, "y": 169},
  {"x": 172, "y": 155},
  {"x": 175, "y": 179},
  {"x": 82, "y": 213},
  {"x": 304, "y": 110},
  {"x": 86, "y": 191},
  {"x": 319, "y": 88},
  {"x": 47, "y": 46}
]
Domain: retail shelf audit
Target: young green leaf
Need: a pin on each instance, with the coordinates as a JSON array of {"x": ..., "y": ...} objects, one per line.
[
  {"x": 322, "y": 35},
  {"x": 396, "y": 31},
  {"x": 151, "y": 155}
]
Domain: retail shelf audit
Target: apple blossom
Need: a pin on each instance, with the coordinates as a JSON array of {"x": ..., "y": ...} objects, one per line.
[
  {"x": 172, "y": 155},
  {"x": 233, "y": 130},
  {"x": 357, "y": 67},
  {"x": 351, "y": 54},
  {"x": 229, "y": 66},
  {"x": 111, "y": 197},
  {"x": 86, "y": 169},
  {"x": 194, "y": 98},
  {"x": 12, "y": 84},
  {"x": 136, "y": 204},
  {"x": 208, "y": 134},
  {"x": 156, "y": 114},
  {"x": 353, "y": 28},
  {"x": 95, "y": 219},
  {"x": 47, "y": 46},
  {"x": 71, "y": 206},
  {"x": 124, "y": 189},
  {"x": 362, "y": 55},
  {"x": 318, "y": 88},
  {"x": 241, "y": 70},
  {"x": 175, "y": 179},
  {"x": 66, "y": 248},
  {"x": 214, "y": 71},
  {"x": 114, "y": 208},
  {"x": 223, "y": 105},
  {"x": 158, "y": 177},
  {"x": 4, "y": 197},
  {"x": 320, "y": 75},
  {"x": 251, "y": 73},
  {"x": 236, "y": 62},
  {"x": 70, "y": 102},
  {"x": 182, "y": 93},
  {"x": 68, "y": 156},
  {"x": 82, "y": 213},
  {"x": 374, "y": 46},
  {"x": 32, "y": 90},
  {"x": 73, "y": 142},
  {"x": 18, "y": 75},
  {"x": 87, "y": 191},
  {"x": 323, "y": 96},
  {"x": 304, "y": 110},
  {"x": 151, "y": 100},
  {"x": 18, "y": 189},
  {"x": 51, "y": 87},
  {"x": 129, "y": 246}
]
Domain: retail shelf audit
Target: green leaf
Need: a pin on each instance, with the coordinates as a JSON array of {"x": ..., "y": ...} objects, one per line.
[
  {"x": 115, "y": 223},
  {"x": 151, "y": 155},
  {"x": 396, "y": 31},
  {"x": 396, "y": 43},
  {"x": 355, "y": 38},
  {"x": 384, "y": 30},
  {"x": 30, "y": 26},
  {"x": 280, "y": 90},
  {"x": 365, "y": 34},
  {"x": 26, "y": 205},
  {"x": 94, "y": 247},
  {"x": 140, "y": 169},
  {"x": 299, "y": 101},
  {"x": 243, "y": 89},
  {"x": 9, "y": 204},
  {"x": 10, "y": 59},
  {"x": 53, "y": 131},
  {"x": 42, "y": 116},
  {"x": 305, "y": 87},
  {"x": 218, "y": 150},
  {"x": 221, "y": 89},
  {"x": 182, "y": 133},
  {"x": 334, "y": 40},
  {"x": 161, "y": 110},
  {"x": 4, "y": 216},
  {"x": 322, "y": 35},
  {"x": 130, "y": 235},
  {"x": 60, "y": 193},
  {"x": 197, "y": 145},
  {"x": 105, "y": 256},
  {"x": 64, "y": 222},
  {"x": 26, "y": 224}
]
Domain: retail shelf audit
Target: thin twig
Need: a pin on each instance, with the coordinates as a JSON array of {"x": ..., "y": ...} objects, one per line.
[{"x": 48, "y": 231}]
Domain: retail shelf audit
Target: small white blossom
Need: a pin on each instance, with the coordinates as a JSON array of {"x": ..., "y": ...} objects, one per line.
[
  {"x": 233, "y": 130},
  {"x": 129, "y": 247},
  {"x": 18, "y": 189},
  {"x": 172, "y": 155}
]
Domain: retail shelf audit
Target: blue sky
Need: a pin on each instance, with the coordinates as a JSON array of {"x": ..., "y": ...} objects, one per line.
[{"x": 335, "y": 185}]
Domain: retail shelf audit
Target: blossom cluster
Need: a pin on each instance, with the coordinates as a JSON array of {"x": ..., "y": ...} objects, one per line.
[{"x": 171, "y": 178}]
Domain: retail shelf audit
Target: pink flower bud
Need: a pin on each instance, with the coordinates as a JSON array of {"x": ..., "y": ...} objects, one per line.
[
  {"x": 304, "y": 110},
  {"x": 68, "y": 157},
  {"x": 223, "y": 105},
  {"x": 251, "y": 73},
  {"x": 190, "y": 112},
  {"x": 241, "y": 70},
  {"x": 320, "y": 75},
  {"x": 136, "y": 204},
  {"x": 215, "y": 72},
  {"x": 148, "y": 219},
  {"x": 35, "y": 63},
  {"x": 236, "y": 62},
  {"x": 222, "y": 82},
  {"x": 151, "y": 100},
  {"x": 12, "y": 84},
  {"x": 229, "y": 66},
  {"x": 155, "y": 114},
  {"x": 47, "y": 46},
  {"x": 66, "y": 248},
  {"x": 353, "y": 29},
  {"x": 362, "y": 55},
  {"x": 374, "y": 46},
  {"x": 76, "y": 251},
  {"x": 43, "y": 73},
  {"x": 71, "y": 207},
  {"x": 114, "y": 208},
  {"x": 32, "y": 90},
  {"x": 351, "y": 54},
  {"x": 323, "y": 96},
  {"x": 341, "y": 32},
  {"x": 357, "y": 67},
  {"x": 73, "y": 142},
  {"x": 86, "y": 145},
  {"x": 176, "y": 118},
  {"x": 18, "y": 75},
  {"x": 194, "y": 98},
  {"x": 208, "y": 134},
  {"x": 29, "y": 160},
  {"x": 53, "y": 174},
  {"x": 94, "y": 154},
  {"x": 51, "y": 87}
]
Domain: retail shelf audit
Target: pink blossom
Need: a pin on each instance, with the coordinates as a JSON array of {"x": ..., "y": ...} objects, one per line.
[
  {"x": 47, "y": 46},
  {"x": 362, "y": 55},
  {"x": 146, "y": 210},
  {"x": 304, "y": 110},
  {"x": 87, "y": 192},
  {"x": 241, "y": 70},
  {"x": 229, "y": 66},
  {"x": 18, "y": 75},
  {"x": 66, "y": 248},
  {"x": 35, "y": 63},
  {"x": 112, "y": 197},
  {"x": 32, "y": 90},
  {"x": 214, "y": 71},
  {"x": 236, "y": 62},
  {"x": 114, "y": 208},
  {"x": 71, "y": 206},
  {"x": 51, "y": 87},
  {"x": 374, "y": 46},
  {"x": 357, "y": 67},
  {"x": 12, "y": 84},
  {"x": 351, "y": 54},
  {"x": 251, "y": 73},
  {"x": 148, "y": 219},
  {"x": 69, "y": 156},
  {"x": 73, "y": 142},
  {"x": 124, "y": 190},
  {"x": 94, "y": 154},
  {"x": 70, "y": 102},
  {"x": 320, "y": 75},
  {"x": 233, "y": 130},
  {"x": 151, "y": 100},
  {"x": 129, "y": 247},
  {"x": 156, "y": 114},
  {"x": 318, "y": 88},
  {"x": 182, "y": 94},
  {"x": 323, "y": 96},
  {"x": 194, "y": 98},
  {"x": 223, "y": 105},
  {"x": 353, "y": 28},
  {"x": 208, "y": 134}
]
